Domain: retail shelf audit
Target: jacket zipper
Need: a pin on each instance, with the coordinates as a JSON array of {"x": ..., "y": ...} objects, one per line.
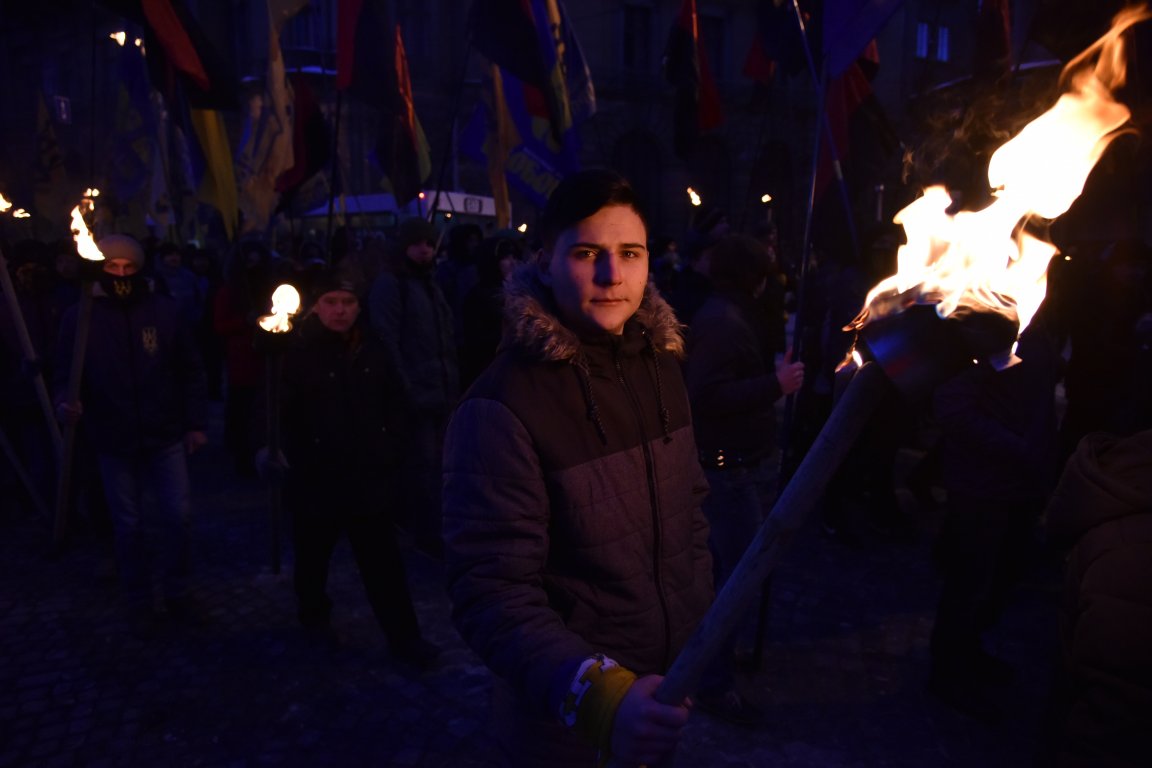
[{"x": 653, "y": 503}]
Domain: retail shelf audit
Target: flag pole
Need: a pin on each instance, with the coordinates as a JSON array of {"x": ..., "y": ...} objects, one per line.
[
  {"x": 335, "y": 170},
  {"x": 76, "y": 373},
  {"x": 451, "y": 141},
  {"x": 31, "y": 360},
  {"x": 13, "y": 457}
]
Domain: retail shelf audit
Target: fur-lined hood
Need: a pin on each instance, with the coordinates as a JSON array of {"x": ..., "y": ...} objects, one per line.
[{"x": 533, "y": 326}]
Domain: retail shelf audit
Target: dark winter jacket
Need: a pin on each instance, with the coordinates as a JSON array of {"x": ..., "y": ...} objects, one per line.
[
  {"x": 732, "y": 386},
  {"x": 1102, "y": 510},
  {"x": 999, "y": 427},
  {"x": 409, "y": 313},
  {"x": 572, "y": 491},
  {"x": 143, "y": 385},
  {"x": 341, "y": 404}
]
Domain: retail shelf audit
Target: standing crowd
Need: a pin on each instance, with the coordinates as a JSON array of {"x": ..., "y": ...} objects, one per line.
[{"x": 586, "y": 430}]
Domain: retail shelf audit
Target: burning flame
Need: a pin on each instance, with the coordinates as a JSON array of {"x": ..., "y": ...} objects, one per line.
[
  {"x": 5, "y": 203},
  {"x": 85, "y": 244},
  {"x": 285, "y": 303},
  {"x": 988, "y": 258},
  {"x": 693, "y": 196}
]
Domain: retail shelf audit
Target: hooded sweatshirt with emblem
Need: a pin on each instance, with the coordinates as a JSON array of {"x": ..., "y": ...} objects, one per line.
[{"x": 572, "y": 492}]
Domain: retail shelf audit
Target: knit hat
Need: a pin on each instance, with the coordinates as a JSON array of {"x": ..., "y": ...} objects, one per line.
[
  {"x": 707, "y": 218},
  {"x": 122, "y": 247},
  {"x": 415, "y": 230},
  {"x": 338, "y": 279}
]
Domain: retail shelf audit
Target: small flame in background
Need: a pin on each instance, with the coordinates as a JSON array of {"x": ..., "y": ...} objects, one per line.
[
  {"x": 285, "y": 303},
  {"x": 986, "y": 258},
  {"x": 5, "y": 203},
  {"x": 693, "y": 197},
  {"x": 85, "y": 244}
]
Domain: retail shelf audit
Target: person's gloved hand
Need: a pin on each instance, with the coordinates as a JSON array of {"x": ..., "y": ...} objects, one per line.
[{"x": 269, "y": 467}]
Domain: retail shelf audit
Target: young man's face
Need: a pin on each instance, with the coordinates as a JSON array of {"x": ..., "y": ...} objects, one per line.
[
  {"x": 422, "y": 253},
  {"x": 337, "y": 310},
  {"x": 598, "y": 269}
]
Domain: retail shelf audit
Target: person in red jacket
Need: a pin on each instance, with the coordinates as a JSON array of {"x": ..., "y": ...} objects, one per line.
[{"x": 576, "y": 548}]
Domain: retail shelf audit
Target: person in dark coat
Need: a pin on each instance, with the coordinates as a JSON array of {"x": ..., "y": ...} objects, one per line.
[
  {"x": 998, "y": 450},
  {"x": 733, "y": 385},
  {"x": 576, "y": 549},
  {"x": 340, "y": 413},
  {"x": 1101, "y": 513},
  {"x": 482, "y": 312},
  {"x": 142, "y": 400},
  {"x": 409, "y": 313}
]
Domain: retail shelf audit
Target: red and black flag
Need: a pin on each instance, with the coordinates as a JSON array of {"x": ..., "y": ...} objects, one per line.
[
  {"x": 363, "y": 45},
  {"x": 372, "y": 65},
  {"x": 697, "y": 107},
  {"x": 993, "y": 41},
  {"x": 196, "y": 83},
  {"x": 311, "y": 140},
  {"x": 777, "y": 44}
]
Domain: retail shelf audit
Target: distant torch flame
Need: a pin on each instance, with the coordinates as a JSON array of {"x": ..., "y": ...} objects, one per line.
[
  {"x": 986, "y": 258},
  {"x": 85, "y": 244},
  {"x": 5, "y": 204},
  {"x": 285, "y": 303},
  {"x": 693, "y": 196}
]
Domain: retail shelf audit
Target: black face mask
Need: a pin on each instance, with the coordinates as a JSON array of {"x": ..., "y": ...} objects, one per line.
[{"x": 126, "y": 289}]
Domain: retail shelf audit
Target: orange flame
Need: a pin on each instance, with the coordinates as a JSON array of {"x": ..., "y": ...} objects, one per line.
[
  {"x": 988, "y": 258},
  {"x": 285, "y": 303},
  {"x": 85, "y": 243},
  {"x": 5, "y": 203}
]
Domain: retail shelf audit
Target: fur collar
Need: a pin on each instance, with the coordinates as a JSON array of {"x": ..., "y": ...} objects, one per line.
[{"x": 532, "y": 325}]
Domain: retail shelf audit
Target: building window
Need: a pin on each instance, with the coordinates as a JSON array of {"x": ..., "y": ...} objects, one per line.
[
  {"x": 932, "y": 42},
  {"x": 942, "y": 44},
  {"x": 922, "y": 40},
  {"x": 636, "y": 52}
]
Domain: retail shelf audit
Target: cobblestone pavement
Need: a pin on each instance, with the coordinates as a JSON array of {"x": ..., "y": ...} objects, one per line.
[{"x": 842, "y": 682}]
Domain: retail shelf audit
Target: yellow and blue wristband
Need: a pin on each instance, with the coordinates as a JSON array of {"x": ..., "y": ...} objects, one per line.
[{"x": 594, "y": 697}]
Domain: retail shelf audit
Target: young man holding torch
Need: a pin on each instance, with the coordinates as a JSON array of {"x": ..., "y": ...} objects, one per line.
[
  {"x": 340, "y": 410},
  {"x": 576, "y": 548},
  {"x": 142, "y": 399}
]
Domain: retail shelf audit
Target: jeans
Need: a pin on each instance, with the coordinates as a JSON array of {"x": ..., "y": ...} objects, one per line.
[{"x": 148, "y": 500}]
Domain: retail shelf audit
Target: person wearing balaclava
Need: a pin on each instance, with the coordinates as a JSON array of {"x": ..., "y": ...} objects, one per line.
[
  {"x": 409, "y": 312},
  {"x": 142, "y": 401}
]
